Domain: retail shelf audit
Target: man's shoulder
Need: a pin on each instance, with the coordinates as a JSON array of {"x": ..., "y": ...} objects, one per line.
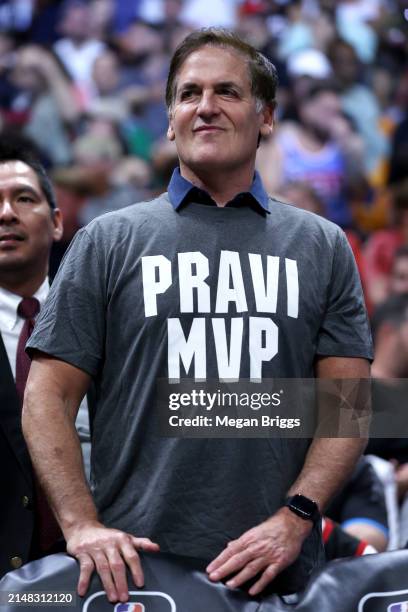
[
  {"x": 299, "y": 218},
  {"x": 132, "y": 216}
]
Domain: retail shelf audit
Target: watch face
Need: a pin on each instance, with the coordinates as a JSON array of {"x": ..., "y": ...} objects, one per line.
[{"x": 303, "y": 506}]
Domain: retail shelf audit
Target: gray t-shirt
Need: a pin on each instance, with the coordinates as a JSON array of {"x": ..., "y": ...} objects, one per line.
[{"x": 134, "y": 285}]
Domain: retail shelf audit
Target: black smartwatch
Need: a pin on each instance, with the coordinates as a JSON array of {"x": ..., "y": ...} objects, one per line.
[{"x": 304, "y": 507}]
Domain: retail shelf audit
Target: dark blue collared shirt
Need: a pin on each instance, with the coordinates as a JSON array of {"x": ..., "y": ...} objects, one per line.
[{"x": 182, "y": 192}]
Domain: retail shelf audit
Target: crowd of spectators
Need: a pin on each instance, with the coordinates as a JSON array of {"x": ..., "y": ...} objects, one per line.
[{"x": 84, "y": 81}]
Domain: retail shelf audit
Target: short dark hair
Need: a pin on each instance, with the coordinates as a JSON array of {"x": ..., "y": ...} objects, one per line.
[
  {"x": 264, "y": 78},
  {"x": 335, "y": 44},
  {"x": 13, "y": 147},
  {"x": 316, "y": 89}
]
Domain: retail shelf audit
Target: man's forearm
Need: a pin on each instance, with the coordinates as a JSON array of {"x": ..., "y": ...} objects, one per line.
[
  {"x": 56, "y": 455},
  {"x": 329, "y": 463},
  {"x": 53, "y": 393}
]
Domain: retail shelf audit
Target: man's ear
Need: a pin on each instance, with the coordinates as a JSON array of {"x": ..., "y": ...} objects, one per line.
[
  {"x": 58, "y": 225},
  {"x": 268, "y": 119},
  {"x": 170, "y": 132}
]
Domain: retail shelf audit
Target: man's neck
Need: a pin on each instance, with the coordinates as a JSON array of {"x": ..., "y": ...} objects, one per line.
[
  {"x": 223, "y": 188},
  {"x": 25, "y": 288}
]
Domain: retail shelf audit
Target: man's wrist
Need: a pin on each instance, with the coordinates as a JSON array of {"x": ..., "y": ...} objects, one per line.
[
  {"x": 297, "y": 525},
  {"x": 70, "y": 527},
  {"x": 303, "y": 507}
]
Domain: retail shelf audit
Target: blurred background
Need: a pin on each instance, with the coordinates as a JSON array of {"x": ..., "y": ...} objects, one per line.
[{"x": 84, "y": 81}]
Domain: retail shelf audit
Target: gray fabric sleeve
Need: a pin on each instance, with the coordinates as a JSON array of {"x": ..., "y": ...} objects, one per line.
[
  {"x": 345, "y": 331},
  {"x": 71, "y": 325}
]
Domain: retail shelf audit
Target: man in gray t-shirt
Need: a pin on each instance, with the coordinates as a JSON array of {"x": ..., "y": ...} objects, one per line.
[{"x": 212, "y": 280}]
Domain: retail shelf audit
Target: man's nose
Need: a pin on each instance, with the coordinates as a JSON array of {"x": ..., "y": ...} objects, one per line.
[
  {"x": 208, "y": 105},
  {"x": 8, "y": 213}
]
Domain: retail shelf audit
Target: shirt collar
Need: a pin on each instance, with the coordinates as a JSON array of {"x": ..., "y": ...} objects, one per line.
[
  {"x": 9, "y": 303},
  {"x": 180, "y": 189}
]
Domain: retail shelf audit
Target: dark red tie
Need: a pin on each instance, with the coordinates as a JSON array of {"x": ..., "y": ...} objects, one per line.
[
  {"x": 47, "y": 530},
  {"x": 27, "y": 309}
]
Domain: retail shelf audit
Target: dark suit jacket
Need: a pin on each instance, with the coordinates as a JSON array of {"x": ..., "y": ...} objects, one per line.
[{"x": 16, "y": 485}]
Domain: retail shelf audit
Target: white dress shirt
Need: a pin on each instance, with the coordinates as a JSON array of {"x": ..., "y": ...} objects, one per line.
[
  {"x": 11, "y": 324},
  {"x": 10, "y": 328}
]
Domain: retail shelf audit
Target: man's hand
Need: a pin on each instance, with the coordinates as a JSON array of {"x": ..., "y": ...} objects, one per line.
[
  {"x": 267, "y": 549},
  {"x": 108, "y": 551}
]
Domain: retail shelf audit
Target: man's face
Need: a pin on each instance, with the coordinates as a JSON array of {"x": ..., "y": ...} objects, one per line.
[
  {"x": 214, "y": 120},
  {"x": 76, "y": 23},
  {"x": 345, "y": 65},
  {"x": 320, "y": 113},
  {"x": 105, "y": 72},
  {"x": 27, "y": 225},
  {"x": 399, "y": 276}
]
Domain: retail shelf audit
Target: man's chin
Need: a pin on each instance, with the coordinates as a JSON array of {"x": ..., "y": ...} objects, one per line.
[
  {"x": 13, "y": 262},
  {"x": 210, "y": 163}
]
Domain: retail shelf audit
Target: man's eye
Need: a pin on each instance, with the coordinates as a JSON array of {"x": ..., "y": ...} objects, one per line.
[
  {"x": 227, "y": 91},
  {"x": 25, "y": 199},
  {"x": 186, "y": 94}
]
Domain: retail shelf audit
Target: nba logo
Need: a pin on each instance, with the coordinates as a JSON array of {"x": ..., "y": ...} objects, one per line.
[
  {"x": 401, "y": 606},
  {"x": 129, "y": 607}
]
